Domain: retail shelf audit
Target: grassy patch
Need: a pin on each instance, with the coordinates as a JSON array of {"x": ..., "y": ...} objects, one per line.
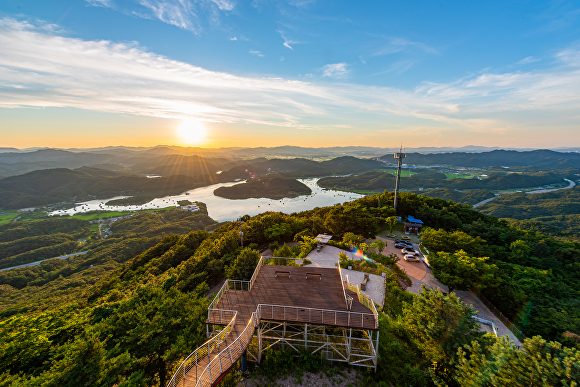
[
  {"x": 404, "y": 173},
  {"x": 6, "y": 218}
]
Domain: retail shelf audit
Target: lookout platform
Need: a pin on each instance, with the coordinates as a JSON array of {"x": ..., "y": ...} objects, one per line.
[{"x": 292, "y": 306}]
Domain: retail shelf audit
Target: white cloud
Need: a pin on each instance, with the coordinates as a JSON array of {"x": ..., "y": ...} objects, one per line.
[
  {"x": 257, "y": 53},
  {"x": 185, "y": 14},
  {"x": 234, "y": 38},
  {"x": 39, "y": 68},
  {"x": 335, "y": 70},
  {"x": 527, "y": 60},
  {"x": 224, "y": 5},
  {"x": 101, "y": 3},
  {"x": 287, "y": 42}
]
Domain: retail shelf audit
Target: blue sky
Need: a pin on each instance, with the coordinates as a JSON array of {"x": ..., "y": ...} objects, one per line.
[{"x": 299, "y": 72}]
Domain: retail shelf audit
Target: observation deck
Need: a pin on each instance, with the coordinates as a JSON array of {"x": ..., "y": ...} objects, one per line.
[{"x": 281, "y": 300}]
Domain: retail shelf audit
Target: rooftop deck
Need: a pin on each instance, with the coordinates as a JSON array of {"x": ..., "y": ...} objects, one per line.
[
  {"x": 279, "y": 293},
  {"x": 296, "y": 298}
]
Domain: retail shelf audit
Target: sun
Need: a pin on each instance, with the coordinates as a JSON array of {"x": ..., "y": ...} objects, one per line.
[{"x": 192, "y": 132}]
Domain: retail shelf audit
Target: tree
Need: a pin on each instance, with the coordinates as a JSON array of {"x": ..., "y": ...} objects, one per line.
[
  {"x": 450, "y": 242},
  {"x": 244, "y": 265},
  {"x": 520, "y": 252},
  {"x": 283, "y": 252},
  {"x": 538, "y": 363},
  {"x": 391, "y": 221},
  {"x": 439, "y": 324},
  {"x": 278, "y": 231},
  {"x": 379, "y": 244},
  {"x": 460, "y": 271}
]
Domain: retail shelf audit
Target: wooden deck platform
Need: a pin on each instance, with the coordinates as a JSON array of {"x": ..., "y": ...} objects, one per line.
[
  {"x": 295, "y": 298},
  {"x": 292, "y": 297}
]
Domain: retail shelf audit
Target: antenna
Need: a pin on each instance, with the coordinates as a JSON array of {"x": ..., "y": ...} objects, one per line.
[{"x": 399, "y": 156}]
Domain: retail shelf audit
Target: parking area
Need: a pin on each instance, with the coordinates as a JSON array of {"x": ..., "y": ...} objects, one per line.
[{"x": 415, "y": 270}]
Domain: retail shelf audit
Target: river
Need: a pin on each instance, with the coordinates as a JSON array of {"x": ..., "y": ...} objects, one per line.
[{"x": 221, "y": 209}]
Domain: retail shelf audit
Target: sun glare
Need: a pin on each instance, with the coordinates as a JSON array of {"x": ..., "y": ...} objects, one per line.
[{"x": 192, "y": 132}]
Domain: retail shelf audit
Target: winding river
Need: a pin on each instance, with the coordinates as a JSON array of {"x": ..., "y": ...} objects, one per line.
[{"x": 221, "y": 209}]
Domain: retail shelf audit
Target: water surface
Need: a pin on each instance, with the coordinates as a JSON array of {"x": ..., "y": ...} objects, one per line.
[{"x": 221, "y": 209}]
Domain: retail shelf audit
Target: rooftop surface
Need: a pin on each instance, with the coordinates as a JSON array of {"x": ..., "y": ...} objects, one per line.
[{"x": 316, "y": 299}]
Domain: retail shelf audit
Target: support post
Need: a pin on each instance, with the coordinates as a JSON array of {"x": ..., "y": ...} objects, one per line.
[
  {"x": 259, "y": 344},
  {"x": 306, "y": 336},
  {"x": 245, "y": 361}
]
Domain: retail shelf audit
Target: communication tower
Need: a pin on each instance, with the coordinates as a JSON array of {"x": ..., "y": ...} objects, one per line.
[{"x": 400, "y": 155}]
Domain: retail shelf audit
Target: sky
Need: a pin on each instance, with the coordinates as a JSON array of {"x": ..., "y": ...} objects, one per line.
[{"x": 220, "y": 73}]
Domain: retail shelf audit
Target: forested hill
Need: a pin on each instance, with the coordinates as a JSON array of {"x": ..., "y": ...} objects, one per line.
[
  {"x": 57, "y": 185},
  {"x": 426, "y": 178},
  {"x": 122, "y": 314},
  {"x": 554, "y": 213},
  {"x": 269, "y": 187},
  {"x": 537, "y": 158}
]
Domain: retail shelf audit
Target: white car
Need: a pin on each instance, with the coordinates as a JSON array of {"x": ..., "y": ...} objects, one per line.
[
  {"x": 407, "y": 250},
  {"x": 411, "y": 258}
]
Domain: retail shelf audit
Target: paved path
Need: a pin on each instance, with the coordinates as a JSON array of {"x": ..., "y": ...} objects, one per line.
[
  {"x": 39, "y": 262},
  {"x": 483, "y": 202},
  {"x": 571, "y": 184},
  {"x": 421, "y": 274}
]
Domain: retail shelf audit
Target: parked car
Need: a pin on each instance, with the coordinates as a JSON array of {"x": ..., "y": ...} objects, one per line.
[
  {"x": 410, "y": 251},
  {"x": 411, "y": 258},
  {"x": 400, "y": 245}
]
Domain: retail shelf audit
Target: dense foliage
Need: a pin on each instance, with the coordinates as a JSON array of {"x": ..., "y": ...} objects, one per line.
[
  {"x": 267, "y": 187},
  {"x": 427, "y": 178},
  {"x": 553, "y": 213},
  {"x": 129, "y": 311}
]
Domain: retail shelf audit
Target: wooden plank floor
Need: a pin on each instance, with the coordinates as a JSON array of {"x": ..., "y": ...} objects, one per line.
[
  {"x": 298, "y": 291},
  {"x": 316, "y": 292}
]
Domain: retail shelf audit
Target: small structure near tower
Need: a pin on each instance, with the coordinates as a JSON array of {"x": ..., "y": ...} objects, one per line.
[{"x": 400, "y": 155}]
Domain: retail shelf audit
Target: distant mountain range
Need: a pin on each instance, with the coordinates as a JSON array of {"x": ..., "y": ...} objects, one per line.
[
  {"x": 280, "y": 151},
  {"x": 541, "y": 158}
]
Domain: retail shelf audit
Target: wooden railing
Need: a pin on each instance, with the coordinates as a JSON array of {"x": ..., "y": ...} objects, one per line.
[
  {"x": 364, "y": 299},
  {"x": 317, "y": 316},
  {"x": 228, "y": 356},
  {"x": 347, "y": 298},
  {"x": 201, "y": 353}
]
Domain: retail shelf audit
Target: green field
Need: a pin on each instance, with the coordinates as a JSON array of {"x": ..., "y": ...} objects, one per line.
[
  {"x": 6, "y": 218},
  {"x": 404, "y": 173},
  {"x": 460, "y": 175},
  {"x": 112, "y": 214}
]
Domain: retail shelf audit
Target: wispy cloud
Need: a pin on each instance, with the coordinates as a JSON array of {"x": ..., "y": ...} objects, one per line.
[
  {"x": 335, "y": 70},
  {"x": 301, "y": 3},
  {"x": 185, "y": 14},
  {"x": 234, "y": 38},
  {"x": 528, "y": 60},
  {"x": 101, "y": 3},
  {"x": 392, "y": 45},
  {"x": 257, "y": 53},
  {"x": 40, "y": 68},
  {"x": 287, "y": 42}
]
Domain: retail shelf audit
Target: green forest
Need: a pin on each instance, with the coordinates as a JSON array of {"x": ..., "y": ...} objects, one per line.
[
  {"x": 552, "y": 213},
  {"x": 267, "y": 187},
  {"x": 129, "y": 311},
  {"x": 379, "y": 181}
]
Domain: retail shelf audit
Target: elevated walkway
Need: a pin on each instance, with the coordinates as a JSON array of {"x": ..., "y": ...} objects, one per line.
[{"x": 319, "y": 300}]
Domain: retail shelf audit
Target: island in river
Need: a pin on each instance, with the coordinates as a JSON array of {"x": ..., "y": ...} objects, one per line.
[{"x": 271, "y": 188}]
